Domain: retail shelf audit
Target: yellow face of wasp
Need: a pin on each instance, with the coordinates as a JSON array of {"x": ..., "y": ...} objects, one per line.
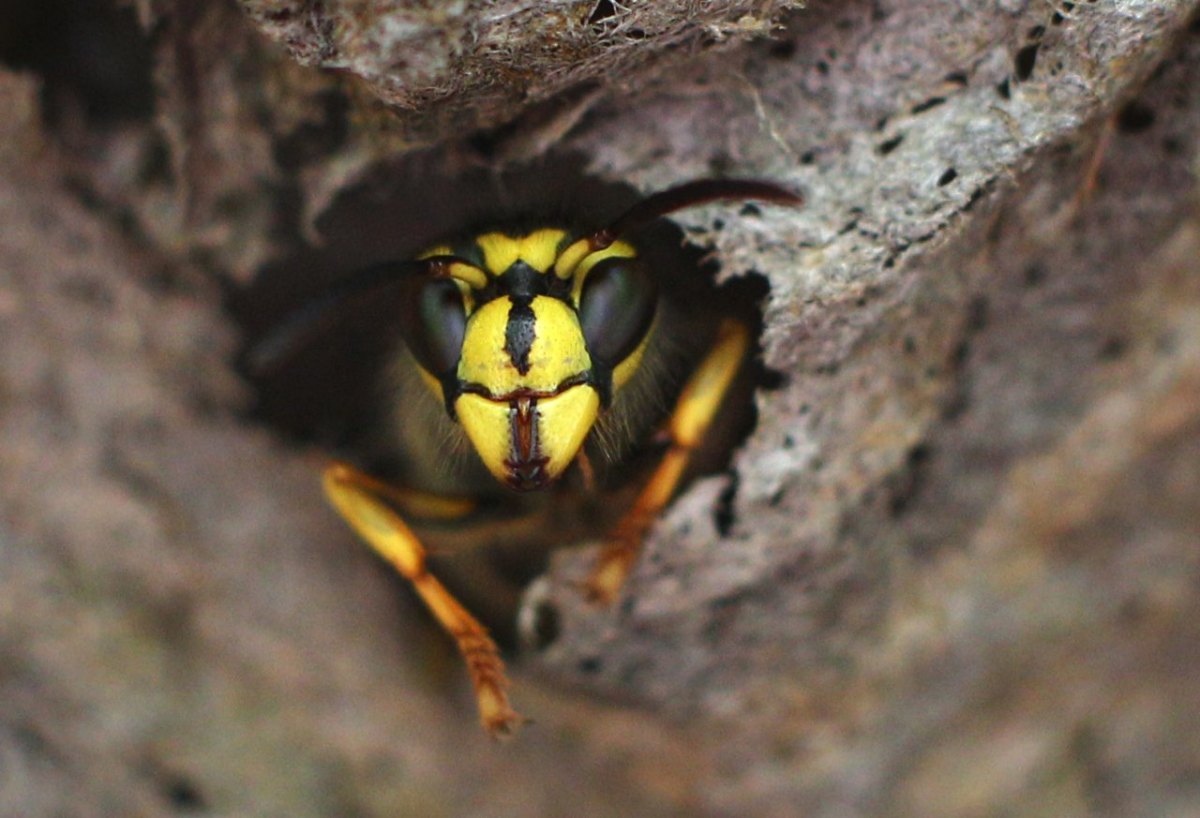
[
  {"x": 537, "y": 410},
  {"x": 527, "y": 386}
]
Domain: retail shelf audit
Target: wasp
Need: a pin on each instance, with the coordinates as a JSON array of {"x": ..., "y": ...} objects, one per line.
[{"x": 528, "y": 348}]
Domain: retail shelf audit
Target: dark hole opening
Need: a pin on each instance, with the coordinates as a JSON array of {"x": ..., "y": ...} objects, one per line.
[
  {"x": 890, "y": 145},
  {"x": 928, "y": 104},
  {"x": 91, "y": 55},
  {"x": 546, "y": 625},
  {"x": 183, "y": 794},
  {"x": 337, "y": 389},
  {"x": 783, "y": 49},
  {"x": 604, "y": 10},
  {"x": 1024, "y": 62},
  {"x": 724, "y": 517},
  {"x": 1135, "y": 117}
]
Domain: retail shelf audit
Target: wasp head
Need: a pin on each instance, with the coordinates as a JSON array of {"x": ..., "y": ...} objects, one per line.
[{"x": 525, "y": 338}]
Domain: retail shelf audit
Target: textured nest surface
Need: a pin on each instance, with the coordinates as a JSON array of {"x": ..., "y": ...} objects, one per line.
[
  {"x": 446, "y": 65},
  {"x": 955, "y": 568}
]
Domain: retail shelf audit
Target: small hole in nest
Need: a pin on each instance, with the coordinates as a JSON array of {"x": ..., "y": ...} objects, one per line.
[
  {"x": 890, "y": 145},
  {"x": 604, "y": 10},
  {"x": 783, "y": 50},
  {"x": 724, "y": 516},
  {"x": 928, "y": 104},
  {"x": 546, "y": 625},
  {"x": 590, "y": 664},
  {"x": 1113, "y": 348},
  {"x": 183, "y": 794},
  {"x": 1135, "y": 118},
  {"x": 1024, "y": 62},
  {"x": 1035, "y": 274}
]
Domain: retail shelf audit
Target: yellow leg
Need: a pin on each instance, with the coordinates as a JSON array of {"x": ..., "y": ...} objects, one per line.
[
  {"x": 413, "y": 502},
  {"x": 353, "y": 495},
  {"x": 697, "y": 405}
]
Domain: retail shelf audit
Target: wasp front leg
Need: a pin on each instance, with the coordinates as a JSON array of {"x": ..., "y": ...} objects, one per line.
[
  {"x": 356, "y": 497},
  {"x": 697, "y": 405}
]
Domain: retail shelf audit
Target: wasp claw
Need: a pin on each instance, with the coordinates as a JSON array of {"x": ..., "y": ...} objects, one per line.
[{"x": 499, "y": 719}]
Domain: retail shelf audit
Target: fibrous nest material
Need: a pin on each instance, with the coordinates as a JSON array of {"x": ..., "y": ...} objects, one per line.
[{"x": 471, "y": 63}]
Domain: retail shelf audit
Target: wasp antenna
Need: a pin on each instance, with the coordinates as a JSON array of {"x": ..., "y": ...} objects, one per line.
[
  {"x": 302, "y": 325},
  {"x": 688, "y": 195},
  {"x": 456, "y": 268}
]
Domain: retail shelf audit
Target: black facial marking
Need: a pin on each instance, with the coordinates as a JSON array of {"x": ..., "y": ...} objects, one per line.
[
  {"x": 520, "y": 333},
  {"x": 522, "y": 281}
]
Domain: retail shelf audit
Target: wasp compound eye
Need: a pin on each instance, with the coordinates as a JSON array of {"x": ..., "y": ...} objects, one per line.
[
  {"x": 616, "y": 308},
  {"x": 435, "y": 324}
]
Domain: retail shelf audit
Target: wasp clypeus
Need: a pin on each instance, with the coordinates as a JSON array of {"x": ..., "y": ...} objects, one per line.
[{"x": 532, "y": 348}]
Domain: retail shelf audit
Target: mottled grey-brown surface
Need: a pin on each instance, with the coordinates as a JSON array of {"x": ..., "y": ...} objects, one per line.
[{"x": 956, "y": 568}]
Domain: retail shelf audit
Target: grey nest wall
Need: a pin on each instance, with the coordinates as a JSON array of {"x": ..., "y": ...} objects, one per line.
[{"x": 959, "y": 572}]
